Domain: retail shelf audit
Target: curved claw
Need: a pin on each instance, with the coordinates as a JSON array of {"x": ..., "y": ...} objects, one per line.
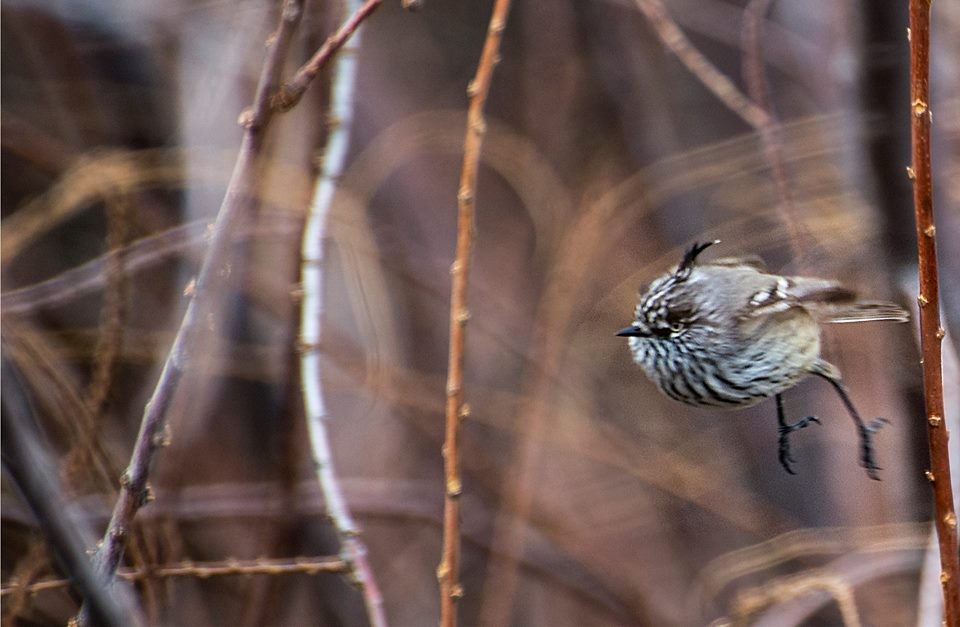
[{"x": 784, "y": 442}]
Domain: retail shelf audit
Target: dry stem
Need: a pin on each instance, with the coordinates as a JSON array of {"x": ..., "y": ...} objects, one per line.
[
  {"x": 931, "y": 333},
  {"x": 448, "y": 572}
]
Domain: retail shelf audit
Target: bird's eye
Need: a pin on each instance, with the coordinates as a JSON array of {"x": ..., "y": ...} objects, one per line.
[{"x": 677, "y": 318}]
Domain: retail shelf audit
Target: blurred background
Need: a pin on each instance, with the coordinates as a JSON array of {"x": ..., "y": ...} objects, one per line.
[{"x": 589, "y": 498}]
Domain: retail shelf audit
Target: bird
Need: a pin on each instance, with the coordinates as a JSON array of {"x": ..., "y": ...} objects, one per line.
[{"x": 729, "y": 334}]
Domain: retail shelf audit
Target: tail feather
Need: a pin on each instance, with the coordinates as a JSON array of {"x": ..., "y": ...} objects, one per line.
[{"x": 864, "y": 311}]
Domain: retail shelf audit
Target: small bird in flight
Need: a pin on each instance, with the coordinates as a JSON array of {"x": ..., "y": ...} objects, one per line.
[{"x": 728, "y": 334}]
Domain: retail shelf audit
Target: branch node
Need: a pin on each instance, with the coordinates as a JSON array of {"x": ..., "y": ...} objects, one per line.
[
  {"x": 163, "y": 437},
  {"x": 911, "y": 174},
  {"x": 922, "y": 300},
  {"x": 929, "y": 475},
  {"x": 146, "y": 495},
  {"x": 306, "y": 347},
  {"x": 930, "y": 231},
  {"x": 284, "y": 98},
  {"x": 245, "y": 120},
  {"x": 456, "y": 593},
  {"x": 454, "y": 487},
  {"x": 919, "y": 108},
  {"x": 941, "y": 333},
  {"x": 464, "y": 411},
  {"x": 478, "y": 126},
  {"x": 463, "y": 316},
  {"x": 951, "y": 520},
  {"x": 934, "y": 420}
]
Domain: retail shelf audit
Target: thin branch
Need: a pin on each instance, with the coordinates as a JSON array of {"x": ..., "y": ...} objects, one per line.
[
  {"x": 201, "y": 570},
  {"x": 211, "y": 284},
  {"x": 313, "y": 250},
  {"x": 754, "y": 17},
  {"x": 714, "y": 80},
  {"x": 291, "y": 92},
  {"x": 143, "y": 253},
  {"x": 931, "y": 333},
  {"x": 448, "y": 572}
]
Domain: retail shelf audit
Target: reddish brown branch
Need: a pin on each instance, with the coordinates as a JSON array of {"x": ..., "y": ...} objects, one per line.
[
  {"x": 931, "y": 333},
  {"x": 448, "y": 572}
]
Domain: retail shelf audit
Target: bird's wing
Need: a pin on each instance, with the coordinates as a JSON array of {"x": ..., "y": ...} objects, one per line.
[{"x": 786, "y": 292}]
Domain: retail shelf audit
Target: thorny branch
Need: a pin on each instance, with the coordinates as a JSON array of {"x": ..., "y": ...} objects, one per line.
[
  {"x": 931, "y": 333},
  {"x": 448, "y": 572},
  {"x": 201, "y": 570}
]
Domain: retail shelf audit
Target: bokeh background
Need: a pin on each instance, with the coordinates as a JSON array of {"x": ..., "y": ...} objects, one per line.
[{"x": 589, "y": 499}]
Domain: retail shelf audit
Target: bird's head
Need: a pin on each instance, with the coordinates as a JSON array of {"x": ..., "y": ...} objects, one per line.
[{"x": 666, "y": 309}]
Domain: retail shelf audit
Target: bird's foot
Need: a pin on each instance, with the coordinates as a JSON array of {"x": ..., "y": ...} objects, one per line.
[
  {"x": 867, "y": 459},
  {"x": 784, "y": 440}
]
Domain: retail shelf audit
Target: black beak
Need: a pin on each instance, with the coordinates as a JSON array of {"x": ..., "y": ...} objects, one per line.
[{"x": 630, "y": 331}]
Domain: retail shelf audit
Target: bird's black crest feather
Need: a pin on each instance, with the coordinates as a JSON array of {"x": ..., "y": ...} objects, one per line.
[{"x": 690, "y": 257}]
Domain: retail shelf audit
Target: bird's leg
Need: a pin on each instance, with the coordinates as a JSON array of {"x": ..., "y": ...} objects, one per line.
[
  {"x": 785, "y": 429},
  {"x": 866, "y": 431}
]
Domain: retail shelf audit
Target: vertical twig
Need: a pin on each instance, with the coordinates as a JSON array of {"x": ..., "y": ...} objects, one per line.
[
  {"x": 353, "y": 550},
  {"x": 448, "y": 572},
  {"x": 931, "y": 333}
]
